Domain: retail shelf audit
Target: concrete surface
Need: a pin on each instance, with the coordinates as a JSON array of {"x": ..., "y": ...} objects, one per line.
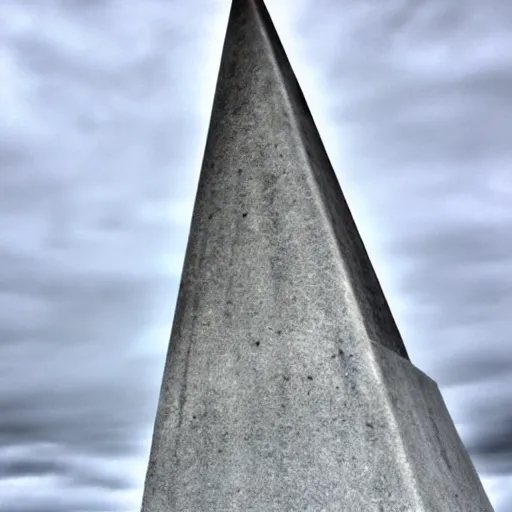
[{"x": 287, "y": 386}]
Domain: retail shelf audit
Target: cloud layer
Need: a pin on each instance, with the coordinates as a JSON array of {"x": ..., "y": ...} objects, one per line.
[{"x": 104, "y": 115}]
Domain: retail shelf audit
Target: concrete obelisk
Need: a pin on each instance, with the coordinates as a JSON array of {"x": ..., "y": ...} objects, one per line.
[{"x": 287, "y": 386}]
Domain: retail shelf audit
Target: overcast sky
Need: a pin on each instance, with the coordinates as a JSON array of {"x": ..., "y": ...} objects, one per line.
[{"x": 104, "y": 107}]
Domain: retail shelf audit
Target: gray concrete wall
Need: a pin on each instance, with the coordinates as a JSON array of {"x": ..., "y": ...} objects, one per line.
[{"x": 287, "y": 386}]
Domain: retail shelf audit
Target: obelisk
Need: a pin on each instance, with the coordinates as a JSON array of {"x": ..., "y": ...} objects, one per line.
[{"x": 287, "y": 386}]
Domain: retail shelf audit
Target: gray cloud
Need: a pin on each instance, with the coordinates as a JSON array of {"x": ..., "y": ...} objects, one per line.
[
  {"x": 104, "y": 116},
  {"x": 96, "y": 135}
]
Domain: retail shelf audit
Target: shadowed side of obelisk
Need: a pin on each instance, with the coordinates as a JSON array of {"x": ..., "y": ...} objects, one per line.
[
  {"x": 375, "y": 313},
  {"x": 286, "y": 381}
]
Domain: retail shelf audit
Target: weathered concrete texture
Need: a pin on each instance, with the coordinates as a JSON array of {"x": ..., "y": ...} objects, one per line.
[{"x": 287, "y": 386}]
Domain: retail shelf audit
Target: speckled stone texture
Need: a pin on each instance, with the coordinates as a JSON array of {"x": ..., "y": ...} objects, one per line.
[{"x": 287, "y": 386}]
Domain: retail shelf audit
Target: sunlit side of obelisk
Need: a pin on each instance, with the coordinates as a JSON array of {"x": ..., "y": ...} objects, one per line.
[{"x": 287, "y": 386}]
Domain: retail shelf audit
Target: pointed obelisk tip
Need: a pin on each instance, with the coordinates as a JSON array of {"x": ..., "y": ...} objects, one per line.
[
  {"x": 240, "y": 3},
  {"x": 247, "y": 4}
]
